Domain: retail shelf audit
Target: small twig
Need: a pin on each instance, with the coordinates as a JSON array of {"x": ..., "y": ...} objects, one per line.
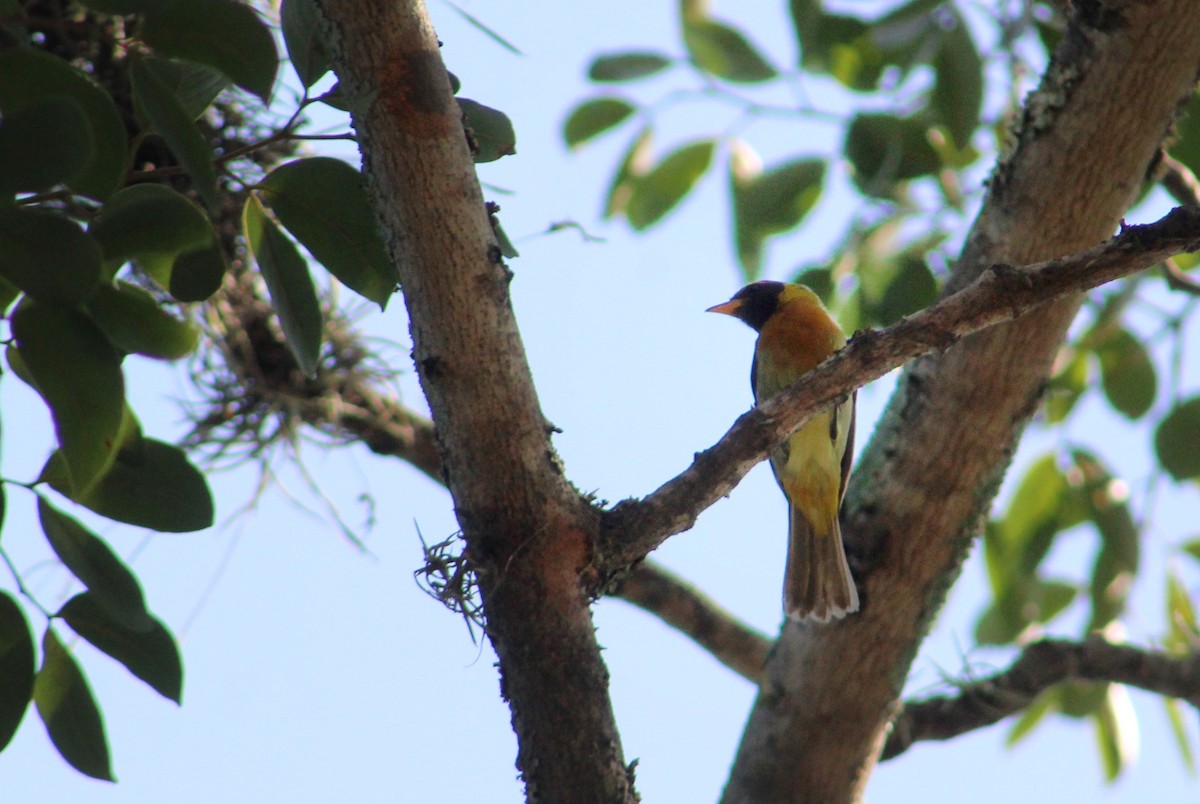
[
  {"x": 680, "y": 605},
  {"x": 1041, "y": 666}
]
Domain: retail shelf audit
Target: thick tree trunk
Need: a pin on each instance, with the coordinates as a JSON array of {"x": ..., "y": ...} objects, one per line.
[
  {"x": 528, "y": 531},
  {"x": 1084, "y": 145}
]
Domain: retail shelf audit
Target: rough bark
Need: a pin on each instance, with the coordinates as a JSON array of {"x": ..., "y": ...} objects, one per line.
[
  {"x": 1084, "y": 146},
  {"x": 528, "y": 536}
]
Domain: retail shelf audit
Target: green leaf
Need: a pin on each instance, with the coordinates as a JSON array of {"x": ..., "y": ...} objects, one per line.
[
  {"x": 725, "y": 52},
  {"x": 958, "y": 88},
  {"x": 1016, "y": 545},
  {"x": 1176, "y": 439},
  {"x": 150, "y": 223},
  {"x": 44, "y": 144},
  {"x": 16, "y": 667},
  {"x": 301, "y": 23},
  {"x": 65, "y": 704},
  {"x": 487, "y": 31},
  {"x": 837, "y": 45},
  {"x": 325, "y": 206},
  {"x": 48, "y": 256},
  {"x": 1127, "y": 373},
  {"x": 121, "y": 7},
  {"x": 78, "y": 374},
  {"x": 633, "y": 166},
  {"x": 135, "y": 323},
  {"x": 765, "y": 204},
  {"x": 593, "y": 117},
  {"x": 1116, "y": 731},
  {"x": 197, "y": 275},
  {"x": 1182, "y": 631},
  {"x": 1082, "y": 699},
  {"x": 151, "y": 485},
  {"x": 1179, "y": 730},
  {"x": 913, "y": 287},
  {"x": 95, "y": 565},
  {"x": 176, "y": 125},
  {"x": 657, "y": 192},
  {"x": 1105, "y": 499},
  {"x": 194, "y": 85},
  {"x": 1065, "y": 388},
  {"x": 492, "y": 134},
  {"x": 626, "y": 66},
  {"x": 1192, "y": 548},
  {"x": 150, "y": 654},
  {"x": 223, "y": 34},
  {"x": 28, "y": 75},
  {"x": 288, "y": 282},
  {"x": 1043, "y": 705},
  {"x": 885, "y": 150}
]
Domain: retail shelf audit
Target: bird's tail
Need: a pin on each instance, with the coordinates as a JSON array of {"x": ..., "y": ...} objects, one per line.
[{"x": 817, "y": 584}]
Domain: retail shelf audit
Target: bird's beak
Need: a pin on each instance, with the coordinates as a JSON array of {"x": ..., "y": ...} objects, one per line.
[{"x": 730, "y": 307}]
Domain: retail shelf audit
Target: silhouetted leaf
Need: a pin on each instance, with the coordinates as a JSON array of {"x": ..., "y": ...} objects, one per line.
[
  {"x": 325, "y": 206},
  {"x": 1127, "y": 373},
  {"x": 43, "y": 144},
  {"x": 633, "y": 165},
  {"x": 289, "y": 284},
  {"x": 626, "y": 66},
  {"x": 223, "y": 34},
  {"x": 48, "y": 256},
  {"x": 194, "y": 85},
  {"x": 135, "y": 323},
  {"x": 885, "y": 150},
  {"x": 594, "y": 117},
  {"x": 768, "y": 203},
  {"x": 301, "y": 24},
  {"x": 151, "y": 223},
  {"x": 16, "y": 667},
  {"x": 196, "y": 275},
  {"x": 958, "y": 88},
  {"x": 149, "y": 653},
  {"x": 78, "y": 373},
  {"x": 95, "y": 565},
  {"x": 28, "y": 75},
  {"x": 66, "y": 706},
  {"x": 152, "y": 486},
  {"x": 176, "y": 125},
  {"x": 1176, "y": 439},
  {"x": 725, "y": 52}
]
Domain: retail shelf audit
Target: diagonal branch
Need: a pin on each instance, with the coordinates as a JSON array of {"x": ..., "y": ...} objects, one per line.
[
  {"x": 635, "y": 527},
  {"x": 1041, "y": 666},
  {"x": 681, "y": 606}
]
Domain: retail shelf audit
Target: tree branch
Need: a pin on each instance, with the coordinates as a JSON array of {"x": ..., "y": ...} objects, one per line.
[
  {"x": 1041, "y": 666},
  {"x": 681, "y": 606},
  {"x": 635, "y": 527}
]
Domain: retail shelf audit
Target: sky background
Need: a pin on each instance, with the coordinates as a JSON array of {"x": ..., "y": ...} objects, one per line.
[{"x": 317, "y": 672}]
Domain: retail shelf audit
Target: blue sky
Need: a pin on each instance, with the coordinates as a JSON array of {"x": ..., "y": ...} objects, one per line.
[{"x": 316, "y": 672}]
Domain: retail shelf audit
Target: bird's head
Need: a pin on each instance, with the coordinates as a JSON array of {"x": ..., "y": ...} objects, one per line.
[{"x": 755, "y": 303}]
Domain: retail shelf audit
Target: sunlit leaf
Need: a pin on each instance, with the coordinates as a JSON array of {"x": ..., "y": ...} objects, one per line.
[
  {"x": 301, "y": 24},
  {"x": 43, "y": 144},
  {"x": 223, "y": 34},
  {"x": 593, "y": 117},
  {"x": 65, "y": 704},
  {"x": 1043, "y": 705},
  {"x": 1176, "y": 439},
  {"x": 16, "y": 667},
  {"x": 636, "y": 161},
  {"x": 491, "y": 131},
  {"x": 48, "y": 256},
  {"x": 1117, "y": 731},
  {"x": 725, "y": 52},
  {"x": 322, "y": 202},
  {"x": 149, "y": 653},
  {"x": 626, "y": 66},
  {"x": 1179, "y": 731},
  {"x": 1067, "y": 385},
  {"x": 28, "y": 75},
  {"x": 289, "y": 284},
  {"x": 176, "y": 125},
  {"x": 657, "y": 192},
  {"x": 78, "y": 373}
]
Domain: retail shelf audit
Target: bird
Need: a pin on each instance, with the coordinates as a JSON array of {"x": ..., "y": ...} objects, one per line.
[{"x": 795, "y": 334}]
